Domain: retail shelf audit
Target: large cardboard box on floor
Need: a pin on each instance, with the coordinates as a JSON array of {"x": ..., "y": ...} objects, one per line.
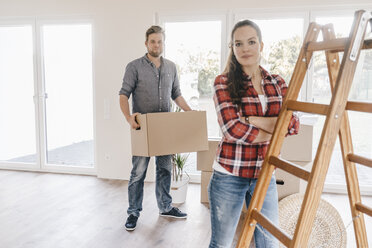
[
  {"x": 169, "y": 133},
  {"x": 205, "y": 159},
  {"x": 205, "y": 178}
]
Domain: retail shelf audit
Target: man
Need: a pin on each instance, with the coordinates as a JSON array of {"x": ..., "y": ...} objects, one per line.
[{"x": 152, "y": 80}]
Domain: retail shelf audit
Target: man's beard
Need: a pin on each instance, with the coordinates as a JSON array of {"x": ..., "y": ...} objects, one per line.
[{"x": 154, "y": 54}]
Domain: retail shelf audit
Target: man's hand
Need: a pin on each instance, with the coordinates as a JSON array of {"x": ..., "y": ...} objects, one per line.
[
  {"x": 132, "y": 121},
  {"x": 180, "y": 101},
  {"x": 124, "y": 106}
]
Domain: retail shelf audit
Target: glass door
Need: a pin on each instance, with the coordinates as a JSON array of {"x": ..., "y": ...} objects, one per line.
[
  {"x": 68, "y": 84},
  {"x": 18, "y": 145},
  {"x": 46, "y": 96}
]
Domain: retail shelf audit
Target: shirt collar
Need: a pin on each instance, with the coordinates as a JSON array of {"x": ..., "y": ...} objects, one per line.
[
  {"x": 150, "y": 62},
  {"x": 264, "y": 74}
]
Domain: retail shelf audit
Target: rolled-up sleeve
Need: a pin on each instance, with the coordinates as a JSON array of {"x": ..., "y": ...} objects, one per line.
[
  {"x": 294, "y": 124},
  {"x": 232, "y": 128},
  {"x": 129, "y": 80},
  {"x": 176, "y": 90}
]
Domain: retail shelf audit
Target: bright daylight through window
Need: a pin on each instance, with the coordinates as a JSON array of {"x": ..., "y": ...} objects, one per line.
[
  {"x": 17, "y": 109},
  {"x": 195, "y": 47},
  {"x": 361, "y": 91},
  {"x": 68, "y": 84},
  {"x": 62, "y": 67}
]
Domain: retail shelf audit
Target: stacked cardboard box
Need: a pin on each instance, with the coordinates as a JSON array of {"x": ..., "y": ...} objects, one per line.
[{"x": 205, "y": 160}]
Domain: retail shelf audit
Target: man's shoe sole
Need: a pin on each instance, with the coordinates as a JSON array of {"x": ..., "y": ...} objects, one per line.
[
  {"x": 172, "y": 216},
  {"x": 130, "y": 229}
]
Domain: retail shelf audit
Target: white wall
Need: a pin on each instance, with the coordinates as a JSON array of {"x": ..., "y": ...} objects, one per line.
[{"x": 119, "y": 27}]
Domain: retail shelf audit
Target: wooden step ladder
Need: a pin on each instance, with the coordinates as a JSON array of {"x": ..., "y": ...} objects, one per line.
[{"x": 336, "y": 123}]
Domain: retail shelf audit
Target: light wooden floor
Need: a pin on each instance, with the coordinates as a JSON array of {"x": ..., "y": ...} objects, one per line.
[{"x": 41, "y": 210}]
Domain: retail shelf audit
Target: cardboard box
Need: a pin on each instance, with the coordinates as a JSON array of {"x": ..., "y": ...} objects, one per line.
[
  {"x": 169, "y": 133},
  {"x": 204, "y": 182},
  {"x": 299, "y": 147},
  {"x": 205, "y": 159}
]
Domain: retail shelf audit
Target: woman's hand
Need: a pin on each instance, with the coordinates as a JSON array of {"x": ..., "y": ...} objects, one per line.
[{"x": 263, "y": 135}]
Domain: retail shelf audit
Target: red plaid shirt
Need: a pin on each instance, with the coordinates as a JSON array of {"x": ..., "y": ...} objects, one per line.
[{"x": 236, "y": 152}]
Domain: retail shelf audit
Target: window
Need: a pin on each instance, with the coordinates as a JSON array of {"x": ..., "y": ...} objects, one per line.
[
  {"x": 195, "y": 47},
  {"x": 361, "y": 91},
  {"x": 282, "y": 36},
  {"x": 281, "y": 49},
  {"x": 281, "y": 46},
  {"x": 198, "y": 62},
  {"x": 46, "y": 96}
]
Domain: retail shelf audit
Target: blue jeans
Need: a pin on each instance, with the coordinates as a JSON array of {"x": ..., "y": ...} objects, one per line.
[
  {"x": 226, "y": 197},
  {"x": 162, "y": 187}
]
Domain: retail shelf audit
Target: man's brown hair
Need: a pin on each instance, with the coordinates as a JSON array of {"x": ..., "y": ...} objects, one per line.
[{"x": 154, "y": 30}]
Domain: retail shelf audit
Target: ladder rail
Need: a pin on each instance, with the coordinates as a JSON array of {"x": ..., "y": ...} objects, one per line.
[
  {"x": 308, "y": 107},
  {"x": 359, "y": 160},
  {"x": 359, "y": 106},
  {"x": 268, "y": 225},
  {"x": 290, "y": 167},
  {"x": 346, "y": 144},
  {"x": 363, "y": 208}
]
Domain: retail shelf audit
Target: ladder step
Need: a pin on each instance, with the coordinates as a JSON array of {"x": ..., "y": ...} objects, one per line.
[
  {"x": 308, "y": 107},
  {"x": 269, "y": 226},
  {"x": 359, "y": 106},
  {"x": 359, "y": 160},
  {"x": 334, "y": 45},
  {"x": 363, "y": 208},
  {"x": 290, "y": 167}
]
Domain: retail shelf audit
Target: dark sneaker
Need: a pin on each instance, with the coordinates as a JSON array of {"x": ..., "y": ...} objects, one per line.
[
  {"x": 131, "y": 223},
  {"x": 175, "y": 213}
]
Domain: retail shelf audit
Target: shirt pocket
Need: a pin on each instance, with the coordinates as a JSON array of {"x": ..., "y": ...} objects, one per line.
[
  {"x": 166, "y": 84},
  {"x": 166, "y": 80}
]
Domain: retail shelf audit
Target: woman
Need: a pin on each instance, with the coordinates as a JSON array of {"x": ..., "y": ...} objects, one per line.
[{"x": 247, "y": 100}]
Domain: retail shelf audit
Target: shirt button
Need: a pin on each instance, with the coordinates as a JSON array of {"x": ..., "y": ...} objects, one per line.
[{"x": 160, "y": 98}]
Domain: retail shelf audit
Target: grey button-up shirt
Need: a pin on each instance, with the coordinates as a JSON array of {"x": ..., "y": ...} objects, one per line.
[{"x": 152, "y": 88}]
